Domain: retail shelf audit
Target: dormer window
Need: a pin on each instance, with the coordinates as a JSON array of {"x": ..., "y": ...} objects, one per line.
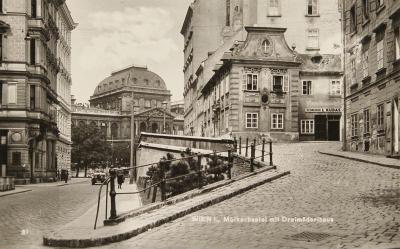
[
  {"x": 266, "y": 46},
  {"x": 146, "y": 81}
]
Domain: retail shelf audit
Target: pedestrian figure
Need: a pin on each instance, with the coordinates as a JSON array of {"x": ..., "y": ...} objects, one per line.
[
  {"x": 120, "y": 179},
  {"x": 66, "y": 176}
]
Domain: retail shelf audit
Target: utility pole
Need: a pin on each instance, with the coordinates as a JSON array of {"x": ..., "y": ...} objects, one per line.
[{"x": 132, "y": 140}]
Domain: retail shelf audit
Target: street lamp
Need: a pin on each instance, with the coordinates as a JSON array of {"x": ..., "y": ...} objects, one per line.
[
  {"x": 132, "y": 171},
  {"x": 164, "y": 105}
]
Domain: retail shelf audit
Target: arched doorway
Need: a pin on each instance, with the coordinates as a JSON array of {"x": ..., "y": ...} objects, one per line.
[{"x": 154, "y": 128}]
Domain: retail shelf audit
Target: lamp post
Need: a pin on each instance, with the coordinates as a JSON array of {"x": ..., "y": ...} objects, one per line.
[
  {"x": 131, "y": 178},
  {"x": 164, "y": 104}
]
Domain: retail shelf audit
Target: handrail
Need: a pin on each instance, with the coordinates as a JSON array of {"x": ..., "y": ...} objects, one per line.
[
  {"x": 215, "y": 154},
  {"x": 98, "y": 201}
]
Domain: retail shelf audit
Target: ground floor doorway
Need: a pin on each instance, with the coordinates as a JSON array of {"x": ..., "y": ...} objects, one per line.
[{"x": 327, "y": 127}]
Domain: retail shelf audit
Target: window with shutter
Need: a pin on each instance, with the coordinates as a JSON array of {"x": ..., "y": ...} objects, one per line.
[
  {"x": 286, "y": 83},
  {"x": 379, "y": 51},
  {"x": 312, "y": 7}
]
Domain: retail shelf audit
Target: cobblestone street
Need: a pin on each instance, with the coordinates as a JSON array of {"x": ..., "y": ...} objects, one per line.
[
  {"x": 362, "y": 199},
  {"x": 25, "y": 217}
]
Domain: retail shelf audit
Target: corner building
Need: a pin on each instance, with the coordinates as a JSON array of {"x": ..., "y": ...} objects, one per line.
[
  {"x": 30, "y": 33},
  {"x": 372, "y": 42}
]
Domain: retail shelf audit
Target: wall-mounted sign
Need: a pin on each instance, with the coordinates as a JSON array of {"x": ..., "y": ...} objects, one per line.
[{"x": 323, "y": 109}]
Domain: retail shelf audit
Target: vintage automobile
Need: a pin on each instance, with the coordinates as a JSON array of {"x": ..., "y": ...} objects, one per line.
[{"x": 98, "y": 177}]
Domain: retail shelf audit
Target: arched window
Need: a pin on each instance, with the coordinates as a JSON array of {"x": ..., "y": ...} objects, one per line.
[
  {"x": 266, "y": 46},
  {"x": 81, "y": 124},
  {"x": 154, "y": 128},
  {"x": 103, "y": 128},
  {"x": 147, "y": 104},
  {"x": 143, "y": 127},
  {"x": 93, "y": 123},
  {"x": 114, "y": 131}
]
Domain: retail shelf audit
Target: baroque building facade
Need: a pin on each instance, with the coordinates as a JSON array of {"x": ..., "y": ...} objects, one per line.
[
  {"x": 30, "y": 33},
  {"x": 372, "y": 46},
  {"x": 270, "y": 90},
  {"x": 111, "y": 105},
  {"x": 313, "y": 31}
]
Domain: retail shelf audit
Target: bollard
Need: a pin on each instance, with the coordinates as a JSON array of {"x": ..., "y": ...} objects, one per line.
[
  {"x": 247, "y": 147},
  {"x": 240, "y": 145},
  {"x": 153, "y": 199},
  {"x": 229, "y": 164},
  {"x": 253, "y": 153},
  {"x": 148, "y": 193},
  {"x": 199, "y": 182},
  {"x": 106, "y": 200},
  {"x": 113, "y": 211},
  {"x": 270, "y": 154},
  {"x": 263, "y": 150},
  {"x": 162, "y": 184}
]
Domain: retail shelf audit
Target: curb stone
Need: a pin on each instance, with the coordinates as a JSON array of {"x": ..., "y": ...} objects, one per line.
[
  {"x": 361, "y": 160},
  {"x": 14, "y": 193},
  {"x": 91, "y": 242}
]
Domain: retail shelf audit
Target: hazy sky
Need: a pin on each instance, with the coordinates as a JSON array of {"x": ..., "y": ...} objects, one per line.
[{"x": 113, "y": 34}]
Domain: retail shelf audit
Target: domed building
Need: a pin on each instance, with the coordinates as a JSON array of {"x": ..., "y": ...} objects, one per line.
[
  {"x": 115, "y": 92},
  {"x": 111, "y": 105}
]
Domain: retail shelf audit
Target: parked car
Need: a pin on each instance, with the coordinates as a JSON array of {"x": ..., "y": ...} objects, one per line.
[{"x": 98, "y": 177}]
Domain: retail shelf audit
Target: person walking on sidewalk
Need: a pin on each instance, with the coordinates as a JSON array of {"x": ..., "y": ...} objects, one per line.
[
  {"x": 120, "y": 179},
  {"x": 66, "y": 176}
]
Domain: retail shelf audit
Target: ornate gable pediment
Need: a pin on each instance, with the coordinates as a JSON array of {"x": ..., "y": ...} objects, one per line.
[
  {"x": 264, "y": 43},
  {"x": 155, "y": 113}
]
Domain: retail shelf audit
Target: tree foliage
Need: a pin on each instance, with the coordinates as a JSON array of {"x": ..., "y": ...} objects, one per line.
[{"x": 89, "y": 146}]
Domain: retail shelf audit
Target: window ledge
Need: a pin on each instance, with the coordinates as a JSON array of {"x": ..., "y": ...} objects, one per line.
[
  {"x": 312, "y": 49},
  {"x": 381, "y": 71},
  {"x": 380, "y": 8},
  {"x": 396, "y": 62},
  {"x": 252, "y": 91},
  {"x": 366, "y": 21},
  {"x": 366, "y": 80},
  {"x": 335, "y": 96},
  {"x": 278, "y": 92},
  {"x": 274, "y": 15},
  {"x": 312, "y": 15}
]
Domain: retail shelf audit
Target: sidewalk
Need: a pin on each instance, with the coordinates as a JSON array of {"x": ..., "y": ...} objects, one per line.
[
  {"x": 85, "y": 236},
  {"x": 363, "y": 157},
  {"x": 29, "y": 187},
  {"x": 85, "y": 224},
  {"x": 58, "y": 184}
]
